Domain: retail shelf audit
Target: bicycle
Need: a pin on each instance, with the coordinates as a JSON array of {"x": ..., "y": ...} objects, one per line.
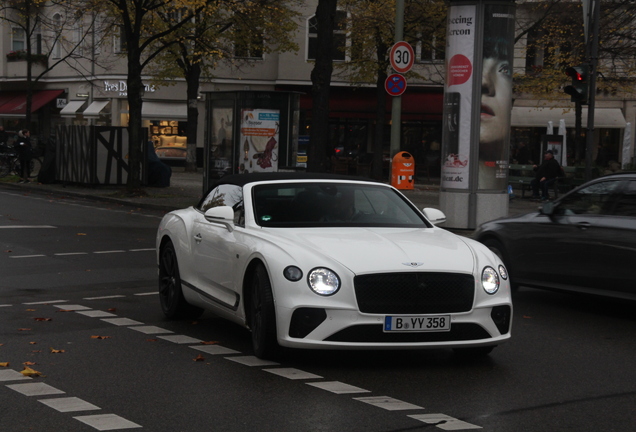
[{"x": 10, "y": 163}]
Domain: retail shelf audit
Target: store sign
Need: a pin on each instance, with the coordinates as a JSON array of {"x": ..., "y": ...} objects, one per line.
[{"x": 121, "y": 88}]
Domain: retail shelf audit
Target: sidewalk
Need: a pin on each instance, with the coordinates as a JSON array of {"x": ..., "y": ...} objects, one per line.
[{"x": 186, "y": 189}]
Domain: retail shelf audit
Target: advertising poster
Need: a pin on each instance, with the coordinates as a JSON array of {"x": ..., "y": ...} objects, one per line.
[
  {"x": 220, "y": 157},
  {"x": 496, "y": 96},
  {"x": 259, "y": 140},
  {"x": 458, "y": 96}
]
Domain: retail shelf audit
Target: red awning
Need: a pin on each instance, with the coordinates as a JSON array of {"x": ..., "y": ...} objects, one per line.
[
  {"x": 361, "y": 103},
  {"x": 14, "y": 103}
]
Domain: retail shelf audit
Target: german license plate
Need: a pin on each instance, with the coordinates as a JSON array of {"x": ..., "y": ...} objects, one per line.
[{"x": 437, "y": 323}]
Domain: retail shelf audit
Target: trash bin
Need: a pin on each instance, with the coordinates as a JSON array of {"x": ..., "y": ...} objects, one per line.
[{"x": 403, "y": 171}]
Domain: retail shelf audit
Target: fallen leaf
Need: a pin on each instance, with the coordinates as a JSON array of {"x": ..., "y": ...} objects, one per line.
[
  {"x": 112, "y": 310},
  {"x": 30, "y": 310},
  {"x": 33, "y": 343},
  {"x": 56, "y": 351},
  {"x": 43, "y": 319},
  {"x": 4, "y": 364},
  {"x": 199, "y": 358},
  {"x": 30, "y": 372},
  {"x": 101, "y": 337},
  {"x": 81, "y": 234},
  {"x": 28, "y": 363},
  {"x": 36, "y": 351},
  {"x": 151, "y": 340},
  {"x": 8, "y": 251},
  {"x": 24, "y": 329},
  {"x": 194, "y": 322},
  {"x": 209, "y": 343},
  {"x": 527, "y": 317}
]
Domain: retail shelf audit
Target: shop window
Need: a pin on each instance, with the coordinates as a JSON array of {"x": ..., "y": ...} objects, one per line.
[{"x": 339, "y": 37}]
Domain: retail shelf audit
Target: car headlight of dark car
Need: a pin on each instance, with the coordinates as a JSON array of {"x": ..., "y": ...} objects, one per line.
[
  {"x": 323, "y": 281},
  {"x": 490, "y": 280}
]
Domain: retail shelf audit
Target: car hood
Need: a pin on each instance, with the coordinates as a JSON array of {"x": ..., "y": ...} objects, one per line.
[{"x": 365, "y": 250}]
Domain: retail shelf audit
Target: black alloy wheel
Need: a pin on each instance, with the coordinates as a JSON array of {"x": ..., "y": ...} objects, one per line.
[
  {"x": 173, "y": 303},
  {"x": 263, "y": 316}
]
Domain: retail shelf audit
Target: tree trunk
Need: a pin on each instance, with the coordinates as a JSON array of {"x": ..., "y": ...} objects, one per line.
[
  {"x": 380, "y": 112},
  {"x": 192, "y": 79},
  {"x": 135, "y": 86},
  {"x": 321, "y": 81}
]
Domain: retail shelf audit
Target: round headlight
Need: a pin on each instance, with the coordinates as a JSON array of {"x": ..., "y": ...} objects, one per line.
[
  {"x": 293, "y": 273},
  {"x": 323, "y": 281},
  {"x": 503, "y": 272},
  {"x": 490, "y": 280}
]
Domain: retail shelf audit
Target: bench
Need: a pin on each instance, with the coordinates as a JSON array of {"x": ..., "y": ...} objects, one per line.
[{"x": 521, "y": 176}]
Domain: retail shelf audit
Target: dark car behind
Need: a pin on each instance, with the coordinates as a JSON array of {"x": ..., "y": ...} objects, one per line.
[{"x": 583, "y": 242}]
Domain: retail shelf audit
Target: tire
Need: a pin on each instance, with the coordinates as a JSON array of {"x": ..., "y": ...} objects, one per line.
[
  {"x": 173, "y": 303},
  {"x": 263, "y": 316},
  {"x": 475, "y": 352},
  {"x": 36, "y": 166},
  {"x": 497, "y": 248},
  {"x": 5, "y": 167}
]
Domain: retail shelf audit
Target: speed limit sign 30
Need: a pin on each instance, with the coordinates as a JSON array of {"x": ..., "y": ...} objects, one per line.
[{"x": 402, "y": 57}]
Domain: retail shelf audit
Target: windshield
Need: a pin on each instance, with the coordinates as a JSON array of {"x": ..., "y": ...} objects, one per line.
[{"x": 332, "y": 205}]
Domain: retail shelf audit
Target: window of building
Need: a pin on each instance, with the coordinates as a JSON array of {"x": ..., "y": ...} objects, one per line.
[
  {"x": 56, "y": 52},
  {"x": 251, "y": 47},
  {"x": 339, "y": 37},
  {"x": 120, "y": 44},
  {"x": 18, "y": 39}
]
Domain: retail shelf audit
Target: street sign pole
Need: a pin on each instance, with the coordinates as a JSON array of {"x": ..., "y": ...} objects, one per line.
[{"x": 396, "y": 105}]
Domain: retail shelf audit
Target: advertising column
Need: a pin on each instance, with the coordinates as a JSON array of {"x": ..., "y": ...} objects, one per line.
[{"x": 477, "y": 110}]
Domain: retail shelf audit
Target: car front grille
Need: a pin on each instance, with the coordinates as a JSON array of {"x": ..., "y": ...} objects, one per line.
[{"x": 414, "y": 293}]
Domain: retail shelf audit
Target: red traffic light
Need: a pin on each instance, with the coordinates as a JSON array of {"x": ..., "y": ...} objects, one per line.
[{"x": 574, "y": 74}]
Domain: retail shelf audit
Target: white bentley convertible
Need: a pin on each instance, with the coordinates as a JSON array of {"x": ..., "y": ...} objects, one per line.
[{"x": 318, "y": 261}]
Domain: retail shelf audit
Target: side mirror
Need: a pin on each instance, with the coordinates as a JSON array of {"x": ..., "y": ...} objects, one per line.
[
  {"x": 434, "y": 215},
  {"x": 222, "y": 214}
]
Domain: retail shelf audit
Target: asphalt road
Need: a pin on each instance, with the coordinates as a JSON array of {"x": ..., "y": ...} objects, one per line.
[{"x": 78, "y": 302}]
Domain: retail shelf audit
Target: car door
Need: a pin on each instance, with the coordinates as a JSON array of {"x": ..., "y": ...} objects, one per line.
[
  {"x": 215, "y": 247},
  {"x": 584, "y": 237}
]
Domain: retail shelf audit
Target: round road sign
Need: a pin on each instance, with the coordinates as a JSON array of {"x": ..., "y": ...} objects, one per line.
[
  {"x": 395, "y": 84},
  {"x": 402, "y": 57}
]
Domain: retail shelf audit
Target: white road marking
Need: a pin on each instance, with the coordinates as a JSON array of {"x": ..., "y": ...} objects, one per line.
[
  {"x": 180, "y": 339},
  {"x": 291, "y": 373},
  {"x": 5, "y": 305},
  {"x": 46, "y": 302},
  {"x": 11, "y": 375},
  {"x": 388, "y": 403},
  {"x": 252, "y": 361},
  {"x": 444, "y": 422},
  {"x": 25, "y": 226},
  {"x": 142, "y": 250},
  {"x": 27, "y": 256},
  {"x": 109, "y": 252},
  {"x": 121, "y": 321},
  {"x": 71, "y": 253},
  {"x": 69, "y": 404},
  {"x": 105, "y": 422},
  {"x": 73, "y": 307},
  {"x": 104, "y": 297},
  {"x": 150, "y": 329},
  {"x": 35, "y": 389},
  {"x": 214, "y": 349},
  {"x": 338, "y": 387},
  {"x": 147, "y": 293},
  {"x": 96, "y": 314}
]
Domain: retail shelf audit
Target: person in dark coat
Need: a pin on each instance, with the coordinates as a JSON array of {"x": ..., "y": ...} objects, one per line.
[
  {"x": 546, "y": 174},
  {"x": 24, "y": 149}
]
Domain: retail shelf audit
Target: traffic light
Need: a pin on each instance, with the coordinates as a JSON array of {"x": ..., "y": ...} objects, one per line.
[{"x": 579, "y": 88}]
